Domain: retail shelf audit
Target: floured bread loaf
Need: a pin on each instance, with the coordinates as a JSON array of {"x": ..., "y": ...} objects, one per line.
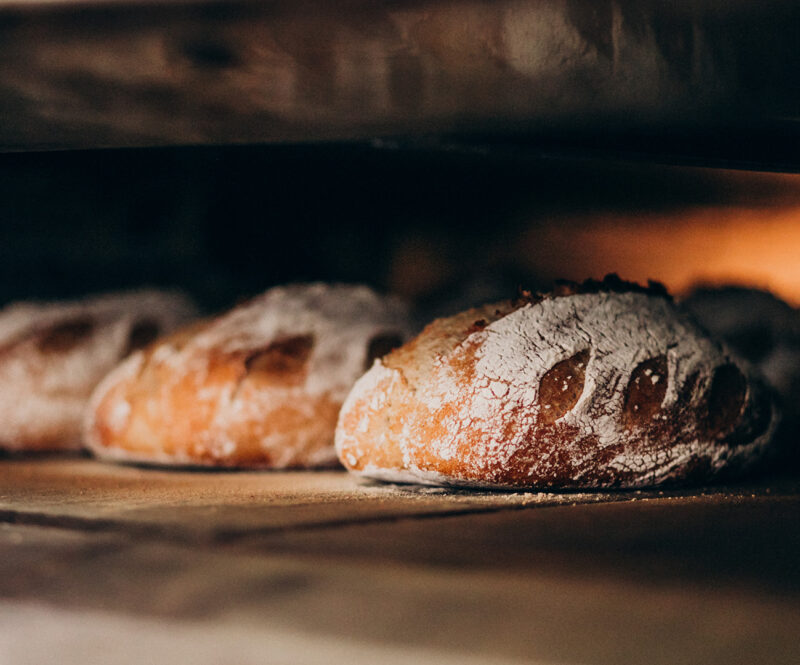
[
  {"x": 260, "y": 386},
  {"x": 603, "y": 384},
  {"x": 760, "y": 328},
  {"x": 52, "y": 355}
]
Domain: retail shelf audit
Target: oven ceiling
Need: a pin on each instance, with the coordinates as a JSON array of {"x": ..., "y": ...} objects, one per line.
[{"x": 707, "y": 80}]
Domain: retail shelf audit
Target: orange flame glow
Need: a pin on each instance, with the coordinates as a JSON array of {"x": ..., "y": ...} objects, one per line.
[{"x": 720, "y": 245}]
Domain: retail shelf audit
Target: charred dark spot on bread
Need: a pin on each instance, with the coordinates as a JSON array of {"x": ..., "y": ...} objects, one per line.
[
  {"x": 476, "y": 326},
  {"x": 380, "y": 345},
  {"x": 143, "y": 333},
  {"x": 283, "y": 361},
  {"x": 561, "y": 387},
  {"x": 611, "y": 283},
  {"x": 645, "y": 392},
  {"x": 65, "y": 335},
  {"x": 725, "y": 400}
]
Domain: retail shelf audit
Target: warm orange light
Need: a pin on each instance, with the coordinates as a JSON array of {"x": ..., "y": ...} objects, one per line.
[{"x": 720, "y": 245}]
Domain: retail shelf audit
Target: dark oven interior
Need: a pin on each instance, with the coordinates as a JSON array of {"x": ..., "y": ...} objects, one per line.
[{"x": 438, "y": 225}]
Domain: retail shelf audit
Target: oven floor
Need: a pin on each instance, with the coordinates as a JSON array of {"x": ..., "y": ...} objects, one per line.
[{"x": 114, "y": 564}]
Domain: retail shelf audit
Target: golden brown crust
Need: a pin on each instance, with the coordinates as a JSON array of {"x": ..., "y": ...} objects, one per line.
[
  {"x": 168, "y": 423},
  {"x": 416, "y": 357},
  {"x": 260, "y": 386}
]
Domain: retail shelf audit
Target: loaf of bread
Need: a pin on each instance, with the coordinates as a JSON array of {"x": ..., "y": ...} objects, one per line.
[
  {"x": 260, "y": 386},
  {"x": 600, "y": 384},
  {"x": 52, "y": 355},
  {"x": 760, "y": 328}
]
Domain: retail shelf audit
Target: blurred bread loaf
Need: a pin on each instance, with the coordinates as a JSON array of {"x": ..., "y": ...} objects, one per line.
[
  {"x": 52, "y": 355},
  {"x": 259, "y": 386}
]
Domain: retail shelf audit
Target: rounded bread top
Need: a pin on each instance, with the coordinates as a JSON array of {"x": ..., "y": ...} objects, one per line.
[
  {"x": 326, "y": 328},
  {"x": 32, "y": 320}
]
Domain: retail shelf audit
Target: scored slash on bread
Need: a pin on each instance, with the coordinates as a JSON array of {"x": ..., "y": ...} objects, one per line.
[{"x": 600, "y": 384}]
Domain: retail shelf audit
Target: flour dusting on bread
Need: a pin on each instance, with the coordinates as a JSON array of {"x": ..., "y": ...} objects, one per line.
[
  {"x": 260, "y": 386},
  {"x": 52, "y": 355},
  {"x": 586, "y": 389}
]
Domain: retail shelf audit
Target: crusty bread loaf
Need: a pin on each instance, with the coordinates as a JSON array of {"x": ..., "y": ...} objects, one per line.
[
  {"x": 759, "y": 327},
  {"x": 52, "y": 355},
  {"x": 260, "y": 386},
  {"x": 604, "y": 384}
]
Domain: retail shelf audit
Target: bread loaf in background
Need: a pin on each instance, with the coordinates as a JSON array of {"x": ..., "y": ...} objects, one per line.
[
  {"x": 600, "y": 384},
  {"x": 52, "y": 355},
  {"x": 259, "y": 386},
  {"x": 759, "y": 327}
]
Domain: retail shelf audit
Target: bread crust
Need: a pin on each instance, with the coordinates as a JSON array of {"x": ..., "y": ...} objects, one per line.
[
  {"x": 606, "y": 386},
  {"x": 52, "y": 355},
  {"x": 260, "y": 386}
]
